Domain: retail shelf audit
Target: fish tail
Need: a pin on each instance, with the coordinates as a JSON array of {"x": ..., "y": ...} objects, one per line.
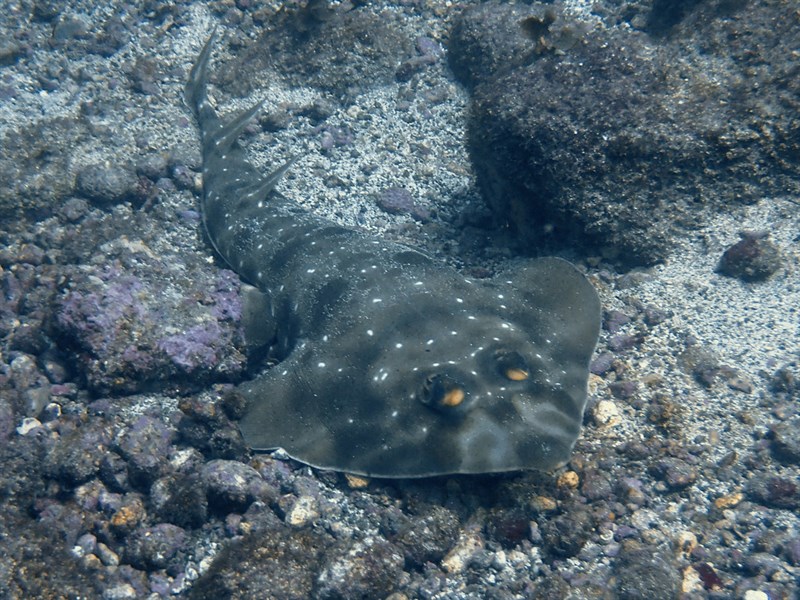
[{"x": 195, "y": 92}]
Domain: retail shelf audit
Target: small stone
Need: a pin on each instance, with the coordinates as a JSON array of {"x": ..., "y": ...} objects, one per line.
[
  {"x": 753, "y": 258},
  {"x": 508, "y": 526},
  {"x": 644, "y": 573},
  {"x": 602, "y": 364},
  {"x": 398, "y": 201},
  {"x": 303, "y": 511},
  {"x": 614, "y": 320},
  {"x": 605, "y": 414},
  {"x": 676, "y": 473},
  {"x": 543, "y": 504},
  {"x": 564, "y": 535},
  {"x": 686, "y": 543},
  {"x": 144, "y": 447},
  {"x": 106, "y": 184},
  {"x": 691, "y": 584},
  {"x": 630, "y": 490},
  {"x": 780, "y": 492},
  {"x": 728, "y": 501},
  {"x": 123, "y": 591},
  {"x": 180, "y": 500},
  {"x": 107, "y": 555},
  {"x": 426, "y": 538},
  {"x": 568, "y": 479},
  {"x": 128, "y": 516},
  {"x": 368, "y": 568},
  {"x": 624, "y": 390},
  {"x": 786, "y": 440},
  {"x": 596, "y": 485},
  {"x": 740, "y": 384},
  {"x": 708, "y": 575},
  {"x": 27, "y": 425},
  {"x": 355, "y": 482},
  {"x": 468, "y": 544},
  {"x": 232, "y": 486},
  {"x": 154, "y": 547}
]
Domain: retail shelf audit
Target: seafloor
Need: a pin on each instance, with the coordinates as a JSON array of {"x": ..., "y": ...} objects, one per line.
[{"x": 642, "y": 140}]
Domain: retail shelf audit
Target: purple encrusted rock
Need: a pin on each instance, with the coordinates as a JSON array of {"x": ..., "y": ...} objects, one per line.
[
  {"x": 144, "y": 446},
  {"x": 602, "y": 363},
  {"x": 143, "y": 325},
  {"x": 155, "y": 547},
  {"x": 231, "y": 486},
  {"x": 614, "y": 320},
  {"x": 399, "y": 201},
  {"x": 676, "y": 473}
]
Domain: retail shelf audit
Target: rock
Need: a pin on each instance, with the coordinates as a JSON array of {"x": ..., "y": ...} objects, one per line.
[
  {"x": 565, "y": 534},
  {"x": 106, "y": 184},
  {"x": 676, "y": 473},
  {"x": 786, "y": 440},
  {"x": 369, "y": 568},
  {"x": 424, "y": 538},
  {"x": 643, "y": 574},
  {"x": 594, "y": 134},
  {"x": 231, "y": 485},
  {"x": 155, "y": 547},
  {"x": 753, "y": 258},
  {"x": 181, "y": 500},
  {"x": 281, "y": 560},
  {"x": 147, "y": 326},
  {"x": 469, "y": 543},
  {"x": 773, "y": 490},
  {"x": 145, "y": 446}
]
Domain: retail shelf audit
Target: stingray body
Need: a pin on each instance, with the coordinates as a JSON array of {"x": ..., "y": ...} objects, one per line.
[{"x": 390, "y": 364}]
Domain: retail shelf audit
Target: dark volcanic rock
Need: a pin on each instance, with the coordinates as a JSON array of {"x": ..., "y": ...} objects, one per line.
[
  {"x": 368, "y": 569},
  {"x": 753, "y": 258},
  {"x": 599, "y": 136},
  {"x": 337, "y": 50},
  {"x": 786, "y": 440},
  {"x": 280, "y": 561},
  {"x": 641, "y": 574}
]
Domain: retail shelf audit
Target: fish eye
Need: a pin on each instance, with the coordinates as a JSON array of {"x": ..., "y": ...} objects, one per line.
[
  {"x": 442, "y": 392},
  {"x": 512, "y": 365}
]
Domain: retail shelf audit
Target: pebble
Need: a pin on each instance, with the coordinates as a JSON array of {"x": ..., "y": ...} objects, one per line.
[
  {"x": 568, "y": 479},
  {"x": 605, "y": 414},
  {"x": 154, "y": 547},
  {"x": 469, "y": 543},
  {"x": 676, "y": 473},
  {"x": 786, "y": 441},
  {"x": 643, "y": 573},
  {"x": 753, "y": 258},
  {"x": 232, "y": 486},
  {"x": 728, "y": 501},
  {"x": 369, "y": 568},
  {"x": 27, "y": 425},
  {"x": 106, "y": 184},
  {"x": 303, "y": 511}
]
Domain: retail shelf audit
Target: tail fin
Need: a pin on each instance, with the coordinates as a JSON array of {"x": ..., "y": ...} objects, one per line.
[{"x": 195, "y": 90}]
